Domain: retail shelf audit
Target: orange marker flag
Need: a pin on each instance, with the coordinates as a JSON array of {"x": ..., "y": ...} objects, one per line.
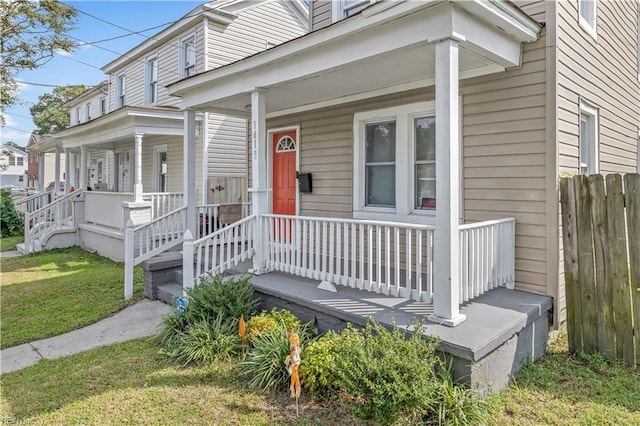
[{"x": 242, "y": 329}]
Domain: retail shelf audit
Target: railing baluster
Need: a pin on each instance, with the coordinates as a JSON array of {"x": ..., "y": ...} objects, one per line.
[
  {"x": 407, "y": 266},
  {"x": 369, "y": 285},
  {"x": 387, "y": 237},
  {"x": 419, "y": 266},
  {"x": 338, "y": 259},
  {"x": 378, "y": 280},
  {"x": 396, "y": 243},
  {"x": 316, "y": 266},
  {"x": 345, "y": 256},
  {"x": 330, "y": 271}
]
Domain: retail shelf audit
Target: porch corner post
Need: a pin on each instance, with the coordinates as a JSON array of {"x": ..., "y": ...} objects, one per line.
[
  {"x": 259, "y": 191},
  {"x": 41, "y": 184},
  {"x": 189, "y": 187},
  {"x": 67, "y": 170},
  {"x": 187, "y": 263},
  {"x": 83, "y": 168},
  {"x": 137, "y": 188},
  {"x": 56, "y": 177},
  {"x": 447, "y": 239},
  {"x": 129, "y": 244}
]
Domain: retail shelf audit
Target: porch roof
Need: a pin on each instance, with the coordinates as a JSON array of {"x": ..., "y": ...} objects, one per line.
[
  {"x": 388, "y": 47},
  {"x": 119, "y": 125}
]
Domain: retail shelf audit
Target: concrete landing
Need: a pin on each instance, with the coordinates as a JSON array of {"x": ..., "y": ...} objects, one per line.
[
  {"x": 139, "y": 320},
  {"x": 504, "y": 328}
]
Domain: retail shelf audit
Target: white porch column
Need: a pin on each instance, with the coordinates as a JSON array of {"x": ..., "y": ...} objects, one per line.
[
  {"x": 41, "y": 182},
  {"x": 56, "y": 176},
  {"x": 83, "y": 168},
  {"x": 447, "y": 240},
  {"x": 259, "y": 190},
  {"x": 67, "y": 170},
  {"x": 189, "y": 187},
  {"x": 137, "y": 187}
]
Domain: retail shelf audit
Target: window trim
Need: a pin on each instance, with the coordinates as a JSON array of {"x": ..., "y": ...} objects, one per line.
[
  {"x": 12, "y": 157},
  {"x": 590, "y": 28},
  {"x": 338, "y": 9},
  {"x": 182, "y": 54},
  {"x": 151, "y": 87},
  {"x": 88, "y": 111},
  {"x": 157, "y": 149},
  {"x": 121, "y": 90},
  {"x": 78, "y": 115},
  {"x": 404, "y": 210},
  {"x": 18, "y": 161},
  {"x": 594, "y": 148},
  {"x": 103, "y": 105}
]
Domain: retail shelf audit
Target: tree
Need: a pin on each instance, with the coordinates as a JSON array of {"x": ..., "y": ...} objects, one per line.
[
  {"x": 49, "y": 113},
  {"x": 30, "y": 34}
]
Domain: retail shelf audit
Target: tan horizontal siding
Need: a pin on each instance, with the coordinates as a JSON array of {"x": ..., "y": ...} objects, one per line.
[
  {"x": 534, "y": 8},
  {"x": 604, "y": 73},
  {"x": 227, "y": 149},
  {"x": 320, "y": 14}
]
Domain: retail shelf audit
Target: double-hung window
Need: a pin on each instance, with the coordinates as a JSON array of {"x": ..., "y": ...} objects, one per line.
[
  {"x": 120, "y": 90},
  {"x": 588, "y": 148},
  {"x": 20, "y": 161},
  {"x": 152, "y": 80},
  {"x": 88, "y": 111},
  {"x": 345, "y": 8},
  {"x": 188, "y": 57},
  {"x": 103, "y": 106},
  {"x": 77, "y": 115},
  {"x": 395, "y": 163},
  {"x": 12, "y": 160},
  {"x": 588, "y": 16}
]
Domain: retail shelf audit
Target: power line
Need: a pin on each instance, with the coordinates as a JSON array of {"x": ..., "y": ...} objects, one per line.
[
  {"x": 16, "y": 129},
  {"x": 45, "y": 85}
]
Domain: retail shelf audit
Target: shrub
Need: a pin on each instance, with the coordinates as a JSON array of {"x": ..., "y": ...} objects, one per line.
[
  {"x": 11, "y": 221},
  {"x": 272, "y": 321},
  {"x": 218, "y": 295},
  {"x": 264, "y": 365},
  {"x": 205, "y": 342}
]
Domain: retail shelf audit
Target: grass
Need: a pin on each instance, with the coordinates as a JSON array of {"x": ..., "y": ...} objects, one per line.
[
  {"x": 129, "y": 383},
  {"x": 566, "y": 389},
  {"x": 52, "y": 292},
  {"x": 10, "y": 243}
]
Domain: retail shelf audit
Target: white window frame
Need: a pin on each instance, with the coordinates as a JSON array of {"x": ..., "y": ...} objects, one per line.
[
  {"x": 591, "y": 27},
  {"x": 19, "y": 161},
  {"x": 404, "y": 210},
  {"x": 121, "y": 90},
  {"x": 88, "y": 111},
  {"x": 103, "y": 106},
  {"x": 182, "y": 52},
  {"x": 78, "y": 115},
  {"x": 12, "y": 160},
  {"x": 156, "y": 165},
  {"x": 151, "y": 85},
  {"x": 592, "y": 166},
  {"x": 339, "y": 8}
]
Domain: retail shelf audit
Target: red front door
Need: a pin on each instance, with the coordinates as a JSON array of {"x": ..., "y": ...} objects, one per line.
[{"x": 284, "y": 145}]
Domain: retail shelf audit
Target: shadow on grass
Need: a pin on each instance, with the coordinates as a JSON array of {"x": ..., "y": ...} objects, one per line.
[{"x": 132, "y": 373}]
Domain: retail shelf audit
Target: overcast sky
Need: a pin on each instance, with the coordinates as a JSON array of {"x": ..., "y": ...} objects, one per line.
[{"x": 83, "y": 67}]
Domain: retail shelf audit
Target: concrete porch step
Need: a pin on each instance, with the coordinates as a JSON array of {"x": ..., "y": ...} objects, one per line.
[{"x": 169, "y": 292}]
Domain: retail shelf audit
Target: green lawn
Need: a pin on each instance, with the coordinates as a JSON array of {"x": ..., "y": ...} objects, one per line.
[
  {"x": 10, "y": 243},
  {"x": 52, "y": 292},
  {"x": 129, "y": 383},
  {"x": 565, "y": 389}
]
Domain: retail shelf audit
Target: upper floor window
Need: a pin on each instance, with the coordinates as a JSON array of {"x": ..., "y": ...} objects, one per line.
[
  {"x": 345, "y": 8},
  {"x": 12, "y": 160},
  {"x": 103, "y": 106},
  {"x": 386, "y": 141},
  {"x": 151, "y": 77},
  {"x": 588, "y": 10},
  {"x": 20, "y": 161},
  {"x": 588, "y": 148},
  {"x": 120, "y": 90},
  {"x": 88, "y": 108},
  {"x": 77, "y": 115},
  {"x": 188, "y": 57}
]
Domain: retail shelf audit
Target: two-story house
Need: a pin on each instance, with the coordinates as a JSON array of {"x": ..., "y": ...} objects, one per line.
[
  {"x": 414, "y": 148},
  {"x": 13, "y": 167},
  {"x": 125, "y": 142}
]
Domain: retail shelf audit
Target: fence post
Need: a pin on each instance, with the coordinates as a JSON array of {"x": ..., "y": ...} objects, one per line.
[
  {"x": 632, "y": 197},
  {"x": 129, "y": 244},
  {"x": 187, "y": 262}
]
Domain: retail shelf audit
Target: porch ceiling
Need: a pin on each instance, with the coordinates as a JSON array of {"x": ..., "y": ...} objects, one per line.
[{"x": 388, "y": 47}]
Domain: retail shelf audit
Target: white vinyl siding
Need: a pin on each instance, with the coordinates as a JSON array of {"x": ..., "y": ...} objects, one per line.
[
  {"x": 85, "y": 109},
  {"x": 320, "y": 14},
  {"x": 227, "y": 154}
]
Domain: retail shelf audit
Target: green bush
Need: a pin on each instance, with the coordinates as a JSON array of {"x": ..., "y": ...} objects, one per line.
[
  {"x": 208, "y": 329},
  {"x": 272, "y": 321},
  {"x": 11, "y": 220},
  {"x": 263, "y": 365}
]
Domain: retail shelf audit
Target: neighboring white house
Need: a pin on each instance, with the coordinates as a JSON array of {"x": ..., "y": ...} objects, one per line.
[{"x": 13, "y": 167}]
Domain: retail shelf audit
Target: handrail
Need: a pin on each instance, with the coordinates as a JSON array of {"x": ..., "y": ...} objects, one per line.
[
  {"x": 355, "y": 221},
  {"x": 30, "y": 200},
  {"x": 53, "y": 216}
]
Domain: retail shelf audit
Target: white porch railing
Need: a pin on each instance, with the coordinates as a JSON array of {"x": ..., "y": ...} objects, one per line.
[
  {"x": 487, "y": 256},
  {"x": 54, "y": 216},
  {"x": 147, "y": 240},
  {"x": 33, "y": 202},
  {"x": 105, "y": 208},
  {"x": 208, "y": 218},
  {"x": 219, "y": 251},
  {"x": 163, "y": 202},
  {"x": 382, "y": 257}
]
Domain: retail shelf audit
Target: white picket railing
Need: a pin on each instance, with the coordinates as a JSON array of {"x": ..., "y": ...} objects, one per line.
[
  {"x": 147, "y": 240},
  {"x": 163, "y": 202},
  {"x": 382, "y": 257},
  {"x": 33, "y": 202},
  {"x": 487, "y": 257},
  {"x": 208, "y": 218},
  {"x": 54, "y": 216},
  {"x": 219, "y": 251}
]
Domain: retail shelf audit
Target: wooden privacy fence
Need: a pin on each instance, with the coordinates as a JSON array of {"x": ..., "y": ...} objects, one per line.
[{"x": 601, "y": 242}]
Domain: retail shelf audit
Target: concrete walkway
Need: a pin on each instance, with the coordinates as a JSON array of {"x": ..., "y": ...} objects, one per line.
[
  {"x": 10, "y": 253},
  {"x": 139, "y": 320}
]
